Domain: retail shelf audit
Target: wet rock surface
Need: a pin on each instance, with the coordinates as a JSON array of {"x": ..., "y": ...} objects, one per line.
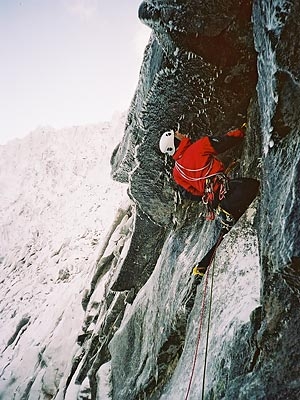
[
  {"x": 209, "y": 66},
  {"x": 180, "y": 84}
]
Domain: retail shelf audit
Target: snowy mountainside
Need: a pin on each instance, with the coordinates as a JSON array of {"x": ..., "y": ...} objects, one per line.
[
  {"x": 55, "y": 178},
  {"x": 128, "y": 320},
  {"x": 57, "y": 201}
]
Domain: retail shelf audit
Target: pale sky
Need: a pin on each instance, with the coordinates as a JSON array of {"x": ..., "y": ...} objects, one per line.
[{"x": 67, "y": 62}]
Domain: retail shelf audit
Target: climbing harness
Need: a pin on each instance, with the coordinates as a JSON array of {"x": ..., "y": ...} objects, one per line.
[
  {"x": 210, "y": 182},
  {"x": 219, "y": 179},
  {"x": 201, "y": 323},
  {"x": 209, "y": 194}
]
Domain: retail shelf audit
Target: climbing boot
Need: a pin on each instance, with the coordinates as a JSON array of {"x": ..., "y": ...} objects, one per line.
[{"x": 199, "y": 270}]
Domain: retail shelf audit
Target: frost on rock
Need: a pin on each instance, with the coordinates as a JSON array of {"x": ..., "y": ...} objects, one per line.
[
  {"x": 98, "y": 300},
  {"x": 235, "y": 296},
  {"x": 156, "y": 332}
]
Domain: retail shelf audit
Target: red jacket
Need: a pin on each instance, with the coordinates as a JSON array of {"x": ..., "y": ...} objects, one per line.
[{"x": 194, "y": 162}]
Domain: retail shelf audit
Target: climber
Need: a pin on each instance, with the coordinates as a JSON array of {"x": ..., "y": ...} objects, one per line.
[{"x": 201, "y": 176}]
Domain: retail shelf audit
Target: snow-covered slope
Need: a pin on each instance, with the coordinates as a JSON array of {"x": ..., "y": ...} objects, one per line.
[
  {"x": 125, "y": 320},
  {"x": 57, "y": 202}
]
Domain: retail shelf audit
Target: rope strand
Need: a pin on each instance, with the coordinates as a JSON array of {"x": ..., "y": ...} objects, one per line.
[
  {"x": 199, "y": 336},
  {"x": 201, "y": 324},
  {"x": 208, "y": 326}
]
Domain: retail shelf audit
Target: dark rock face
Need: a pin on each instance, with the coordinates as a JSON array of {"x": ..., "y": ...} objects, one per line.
[
  {"x": 139, "y": 262},
  {"x": 208, "y": 66},
  {"x": 200, "y": 71}
]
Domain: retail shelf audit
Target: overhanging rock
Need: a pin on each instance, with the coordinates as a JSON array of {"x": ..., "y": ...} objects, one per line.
[
  {"x": 183, "y": 85},
  {"x": 140, "y": 254}
]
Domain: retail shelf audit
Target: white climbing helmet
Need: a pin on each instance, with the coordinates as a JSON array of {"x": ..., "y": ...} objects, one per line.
[{"x": 167, "y": 143}]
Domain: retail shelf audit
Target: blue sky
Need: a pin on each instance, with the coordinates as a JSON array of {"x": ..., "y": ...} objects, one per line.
[{"x": 67, "y": 62}]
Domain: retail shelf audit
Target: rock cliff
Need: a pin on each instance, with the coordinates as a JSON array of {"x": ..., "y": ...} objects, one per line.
[
  {"x": 209, "y": 67},
  {"x": 148, "y": 332}
]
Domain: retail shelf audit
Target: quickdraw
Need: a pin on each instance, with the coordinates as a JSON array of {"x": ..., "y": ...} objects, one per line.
[
  {"x": 208, "y": 198},
  {"x": 209, "y": 195}
]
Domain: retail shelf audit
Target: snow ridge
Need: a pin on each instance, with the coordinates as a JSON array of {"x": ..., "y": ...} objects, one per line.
[{"x": 57, "y": 200}]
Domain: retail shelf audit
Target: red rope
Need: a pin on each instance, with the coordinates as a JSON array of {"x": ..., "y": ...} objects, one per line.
[{"x": 201, "y": 319}]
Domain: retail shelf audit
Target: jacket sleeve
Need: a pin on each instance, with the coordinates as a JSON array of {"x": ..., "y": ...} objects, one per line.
[{"x": 226, "y": 142}]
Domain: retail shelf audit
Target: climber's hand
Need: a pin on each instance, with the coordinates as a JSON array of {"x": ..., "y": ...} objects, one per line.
[{"x": 179, "y": 135}]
